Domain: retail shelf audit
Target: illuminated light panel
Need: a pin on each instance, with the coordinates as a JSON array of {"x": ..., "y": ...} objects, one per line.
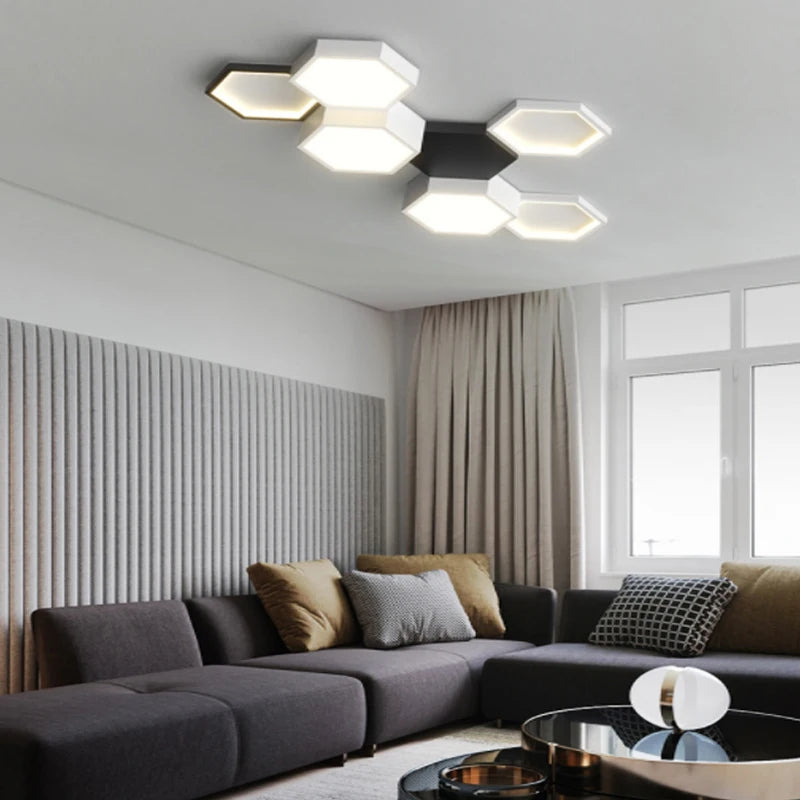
[
  {"x": 344, "y": 73},
  {"x": 363, "y": 140},
  {"x": 461, "y": 206},
  {"x": 555, "y": 217},
  {"x": 259, "y": 91},
  {"x": 545, "y": 128}
]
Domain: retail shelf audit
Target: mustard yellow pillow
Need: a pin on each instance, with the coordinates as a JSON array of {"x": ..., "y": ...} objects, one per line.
[
  {"x": 469, "y": 573},
  {"x": 307, "y": 603},
  {"x": 764, "y": 615}
]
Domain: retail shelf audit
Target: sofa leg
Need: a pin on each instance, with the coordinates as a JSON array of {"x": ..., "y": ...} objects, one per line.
[
  {"x": 498, "y": 723},
  {"x": 337, "y": 761},
  {"x": 368, "y": 750}
]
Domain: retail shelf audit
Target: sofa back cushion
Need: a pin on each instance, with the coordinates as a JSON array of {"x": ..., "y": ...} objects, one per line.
[
  {"x": 580, "y": 611},
  {"x": 233, "y": 628},
  {"x": 764, "y": 616},
  {"x": 80, "y": 644}
]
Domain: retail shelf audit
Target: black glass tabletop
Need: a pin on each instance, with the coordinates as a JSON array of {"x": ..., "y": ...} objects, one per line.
[
  {"x": 423, "y": 783},
  {"x": 740, "y": 736}
]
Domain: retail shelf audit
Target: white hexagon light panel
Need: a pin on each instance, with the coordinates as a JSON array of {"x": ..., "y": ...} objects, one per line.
[
  {"x": 555, "y": 217},
  {"x": 347, "y": 93},
  {"x": 259, "y": 91},
  {"x": 344, "y": 73},
  {"x": 548, "y": 128},
  {"x": 363, "y": 140},
  {"x": 460, "y": 205}
]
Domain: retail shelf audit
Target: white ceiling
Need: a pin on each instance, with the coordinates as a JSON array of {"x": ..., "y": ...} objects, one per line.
[{"x": 103, "y": 106}]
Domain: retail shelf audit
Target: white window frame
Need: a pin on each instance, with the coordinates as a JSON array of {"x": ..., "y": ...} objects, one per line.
[{"x": 735, "y": 367}]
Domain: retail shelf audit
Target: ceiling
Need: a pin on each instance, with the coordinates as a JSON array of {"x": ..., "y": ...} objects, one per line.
[{"x": 103, "y": 107}]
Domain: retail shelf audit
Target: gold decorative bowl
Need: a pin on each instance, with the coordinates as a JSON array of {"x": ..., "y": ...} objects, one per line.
[{"x": 491, "y": 781}]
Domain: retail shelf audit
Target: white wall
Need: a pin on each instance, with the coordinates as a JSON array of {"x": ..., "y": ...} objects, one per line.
[
  {"x": 590, "y": 313},
  {"x": 67, "y": 268}
]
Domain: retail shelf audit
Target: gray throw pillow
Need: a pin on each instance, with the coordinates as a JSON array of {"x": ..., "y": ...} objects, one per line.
[
  {"x": 674, "y": 616},
  {"x": 395, "y": 610}
]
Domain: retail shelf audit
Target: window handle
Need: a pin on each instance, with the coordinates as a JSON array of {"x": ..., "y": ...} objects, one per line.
[{"x": 726, "y": 466}]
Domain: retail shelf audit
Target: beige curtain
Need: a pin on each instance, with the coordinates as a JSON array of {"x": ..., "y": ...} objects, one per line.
[{"x": 494, "y": 453}]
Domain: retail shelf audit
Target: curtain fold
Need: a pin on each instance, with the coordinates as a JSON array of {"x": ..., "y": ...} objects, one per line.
[{"x": 494, "y": 439}]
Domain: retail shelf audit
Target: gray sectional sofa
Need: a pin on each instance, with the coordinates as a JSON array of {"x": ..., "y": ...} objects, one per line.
[{"x": 176, "y": 700}]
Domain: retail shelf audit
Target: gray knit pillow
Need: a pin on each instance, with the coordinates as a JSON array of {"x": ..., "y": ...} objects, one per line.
[{"x": 395, "y": 610}]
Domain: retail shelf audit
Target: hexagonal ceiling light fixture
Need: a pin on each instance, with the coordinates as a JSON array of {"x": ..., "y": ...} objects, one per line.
[
  {"x": 468, "y": 206},
  {"x": 555, "y": 217},
  {"x": 260, "y": 91},
  {"x": 351, "y": 73},
  {"x": 548, "y": 128},
  {"x": 363, "y": 140}
]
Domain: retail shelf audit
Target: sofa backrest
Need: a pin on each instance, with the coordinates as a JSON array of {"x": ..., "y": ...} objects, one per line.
[
  {"x": 528, "y": 612},
  {"x": 233, "y": 628},
  {"x": 580, "y": 611},
  {"x": 91, "y": 643}
]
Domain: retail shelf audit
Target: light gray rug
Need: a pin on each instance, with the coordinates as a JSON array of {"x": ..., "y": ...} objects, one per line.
[{"x": 376, "y": 778}]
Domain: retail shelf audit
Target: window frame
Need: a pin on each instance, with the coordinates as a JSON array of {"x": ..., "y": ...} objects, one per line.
[{"x": 735, "y": 366}]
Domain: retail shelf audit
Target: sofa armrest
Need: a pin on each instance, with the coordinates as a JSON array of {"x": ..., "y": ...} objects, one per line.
[
  {"x": 528, "y": 611},
  {"x": 580, "y": 611}
]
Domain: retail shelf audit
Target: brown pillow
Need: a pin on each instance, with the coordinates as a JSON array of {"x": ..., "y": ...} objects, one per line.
[
  {"x": 764, "y": 615},
  {"x": 307, "y": 603},
  {"x": 471, "y": 580}
]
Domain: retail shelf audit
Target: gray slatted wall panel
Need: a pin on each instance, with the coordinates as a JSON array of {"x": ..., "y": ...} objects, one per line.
[{"x": 128, "y": 474}]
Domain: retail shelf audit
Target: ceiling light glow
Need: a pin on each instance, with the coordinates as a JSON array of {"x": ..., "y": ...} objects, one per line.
[
  {"x": 342, "y": 73},
  {"x": 461, "y": 206},
  {"x": 553, "y": 217},
  {"x": 259, "y": 91},
  {"x": 548, "y": 128},
  {"x": 360, "y": 140}
]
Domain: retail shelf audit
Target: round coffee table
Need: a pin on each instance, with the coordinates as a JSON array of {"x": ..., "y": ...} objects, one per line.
[
  {"x": 611, "y": 750},
  {"x": 599, "y": 752},
  {"x": 423, "y": 783}
]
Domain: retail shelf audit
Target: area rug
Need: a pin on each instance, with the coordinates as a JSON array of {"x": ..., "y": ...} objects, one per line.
[{"x": 376, "y": 778}]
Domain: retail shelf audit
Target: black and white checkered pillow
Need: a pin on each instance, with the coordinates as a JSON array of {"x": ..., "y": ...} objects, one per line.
[{"x": 674, "y": 616}]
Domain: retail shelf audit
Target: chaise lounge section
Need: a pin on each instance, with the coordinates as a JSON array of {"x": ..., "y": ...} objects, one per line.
[{"x": 571, "y": 672}]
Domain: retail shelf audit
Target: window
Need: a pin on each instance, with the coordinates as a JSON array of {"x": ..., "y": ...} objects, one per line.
[
  {"x": 674, "y": 458},
  {"x": 680, "y": 325},
  {"x": 704, "y": 422}
]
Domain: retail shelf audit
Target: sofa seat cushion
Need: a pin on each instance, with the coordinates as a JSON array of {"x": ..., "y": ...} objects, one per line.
[
  {"x": 565, "y": 675},
  {"x": 284, "y": 719},
  {"x": 478, "y": 651},
  {"x": 99, "y": 741},
  {"x": 408, "y": 689}
]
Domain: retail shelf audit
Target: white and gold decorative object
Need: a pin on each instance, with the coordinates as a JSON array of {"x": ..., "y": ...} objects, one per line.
[{"x": 680, "y": 697}]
